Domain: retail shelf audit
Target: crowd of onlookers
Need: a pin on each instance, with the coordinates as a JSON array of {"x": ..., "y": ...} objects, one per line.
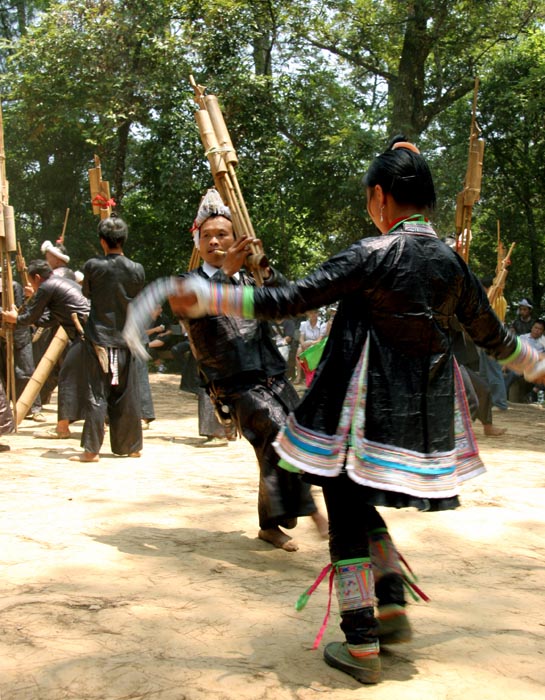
[{"x": 532, "y": 329}]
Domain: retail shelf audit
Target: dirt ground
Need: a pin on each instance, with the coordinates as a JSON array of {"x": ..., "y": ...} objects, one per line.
[{"x": 143, "y": 579}]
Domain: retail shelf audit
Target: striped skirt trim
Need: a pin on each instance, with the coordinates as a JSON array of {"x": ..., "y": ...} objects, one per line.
[{"x": 380, "y": 466}]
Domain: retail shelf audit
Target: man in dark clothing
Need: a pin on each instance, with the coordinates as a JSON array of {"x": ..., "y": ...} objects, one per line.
[
  {"x": 23, "y": 358},
  {"x": 110, "y": 282},
  {"x": 6, "y": 418},
  {"x": 523, "y": 322},
  {"x": 57, "y": 257},
  {"x": 56, "y": 299},
  {"x": 245, "y": 375}
]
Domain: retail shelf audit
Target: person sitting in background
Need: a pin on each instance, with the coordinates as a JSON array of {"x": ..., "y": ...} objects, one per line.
[
  {"x": 518, "y": 389},
  {"x": 523, "y": 322},
  {"x": 159, "y": 339},
  {"x": 489, "y": 368},
  {"x": 310, "y": 333}
]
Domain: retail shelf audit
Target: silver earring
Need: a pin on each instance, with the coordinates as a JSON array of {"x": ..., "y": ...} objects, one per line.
[{"x": 381, "y": 216}]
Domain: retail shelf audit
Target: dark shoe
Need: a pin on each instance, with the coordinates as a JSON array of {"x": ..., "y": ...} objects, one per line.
[
  {"x": 5, "y": 448},
  {"x": 393, "y": 625},
  {"x": 364, "y": 670}
]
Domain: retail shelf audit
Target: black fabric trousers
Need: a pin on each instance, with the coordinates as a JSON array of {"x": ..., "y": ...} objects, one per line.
[
  {"x": 259, "y": 411},
  {"x": 24, "y": 369},
  {"x": 147, "y": 409},
  {"x": 120, "y": 403},
  {"x": 351, "y": 520},
  {"x": 72, "y": 383},
  {"x": 209, "y": 425},
  {"x": 478, "y": 395},
  {"x": 7, "y": 424},
  {"x": 38, "y": 350}
]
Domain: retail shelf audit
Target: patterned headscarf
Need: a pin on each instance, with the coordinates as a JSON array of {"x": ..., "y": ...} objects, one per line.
[{"x": 211, "y": 205}]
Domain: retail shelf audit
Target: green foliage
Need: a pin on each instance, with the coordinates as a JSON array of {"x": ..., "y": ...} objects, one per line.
[{"x": 310, "y": 91}]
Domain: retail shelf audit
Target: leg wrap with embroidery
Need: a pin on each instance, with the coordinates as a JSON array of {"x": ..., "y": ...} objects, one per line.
[
  {"x": 359, "y": 655},
  {"x": 386, "y": 568},
  {"x": 356, "y": 596}
]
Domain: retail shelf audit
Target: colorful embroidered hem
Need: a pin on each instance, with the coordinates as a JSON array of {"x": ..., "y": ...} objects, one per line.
[{"x": 380, "y": 466}]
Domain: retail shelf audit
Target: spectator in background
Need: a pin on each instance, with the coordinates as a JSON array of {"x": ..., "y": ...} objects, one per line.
[
  {"x": 310, "y": 333},
  {"x": 520, "y": 390},
  {"x": 489, "y": 368},
  {"x": 523, "y": 322}
]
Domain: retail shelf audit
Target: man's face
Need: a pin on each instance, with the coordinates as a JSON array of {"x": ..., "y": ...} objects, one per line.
[
  {"x": 35, "y": 281},
  {"x": 536, "y": 331},
  {"x": 53, "y": 260},
  {"x": 524, "y": 311},
  {"x": 215, "y": 237}
]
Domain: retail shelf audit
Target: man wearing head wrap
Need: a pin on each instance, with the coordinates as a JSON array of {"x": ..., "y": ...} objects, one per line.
[
  {"x": 54, "y": 302},
  {"x": 245, "y": 375},
  {"x": 523, "y": 322},
  {"x": 58, "y": 259}
]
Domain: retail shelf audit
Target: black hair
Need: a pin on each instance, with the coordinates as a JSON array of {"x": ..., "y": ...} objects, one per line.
[
  {"x": 39, "y": 267},
  {"x": 404, "y": 174},
  {"x": 487, "y": 281},
  {"x": 114, "y": 231}
]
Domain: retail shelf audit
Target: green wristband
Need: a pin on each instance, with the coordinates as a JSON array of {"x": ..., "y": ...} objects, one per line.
[{"x": 247, "y": 302}]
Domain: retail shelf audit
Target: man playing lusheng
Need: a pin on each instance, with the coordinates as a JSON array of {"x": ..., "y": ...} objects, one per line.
[
  {"x": 243, "y": 370},
  {"x": 53, "y": 304}
]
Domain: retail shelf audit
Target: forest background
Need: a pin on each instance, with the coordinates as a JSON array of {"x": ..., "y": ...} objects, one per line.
[{"x": 311, "y": 91}]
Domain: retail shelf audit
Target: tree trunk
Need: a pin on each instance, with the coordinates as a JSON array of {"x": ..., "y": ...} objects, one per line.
[
  {"x": 406, "y": 91},
  {"x": 535, "y": 256},
  {"x": 120, "y": 162},
  {"x": 262, "y": 50}
]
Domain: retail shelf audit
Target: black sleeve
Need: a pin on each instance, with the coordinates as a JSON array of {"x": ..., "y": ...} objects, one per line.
[{"x": 35, "y": 310}]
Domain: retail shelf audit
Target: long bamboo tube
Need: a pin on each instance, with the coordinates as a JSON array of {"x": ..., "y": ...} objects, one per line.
[
  {"x": 222, "y": 158},
  {"x": 41, "y": 373},
  {"x": 7, "y": 246}
]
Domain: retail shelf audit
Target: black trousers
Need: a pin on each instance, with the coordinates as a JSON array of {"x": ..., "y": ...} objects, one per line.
[
  {"x": 260, "y": 409},
  {"x": 24, "y": 369},
  {"x": 120, "y": 403},
  {"x": 351, "y": 519},
  {"x": 350, "y": 522}
]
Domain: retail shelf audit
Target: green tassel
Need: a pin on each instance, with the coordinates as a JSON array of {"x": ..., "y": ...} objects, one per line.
[{"x": 302, "y": 601}]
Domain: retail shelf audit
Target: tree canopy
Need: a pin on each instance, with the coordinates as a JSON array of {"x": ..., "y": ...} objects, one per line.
[{"x": 310, "y": 91}]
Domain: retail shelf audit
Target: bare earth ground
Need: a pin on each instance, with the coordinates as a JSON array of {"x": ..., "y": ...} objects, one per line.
[{"x": 144, "y": 579}]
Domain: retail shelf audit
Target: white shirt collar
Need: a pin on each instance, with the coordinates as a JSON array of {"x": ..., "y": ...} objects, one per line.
[{"x": 210, "y": 270}]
